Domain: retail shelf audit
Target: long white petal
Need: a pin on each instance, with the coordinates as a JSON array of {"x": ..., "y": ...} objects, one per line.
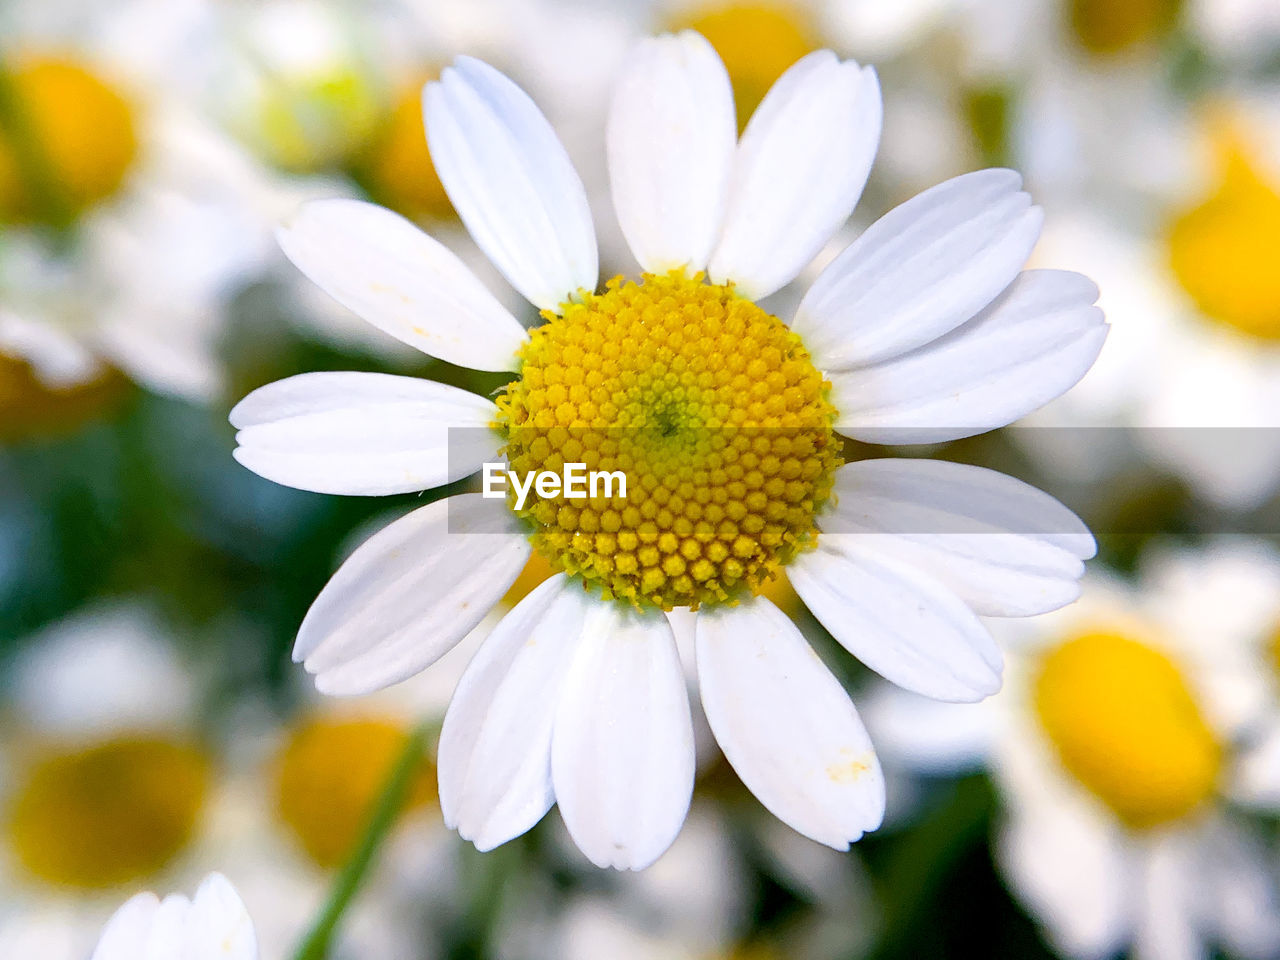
[
  {"x": 1004, "y": 547},
  {"x": 511, "y": 182},
  {"x": 402, "y": 281},
  {"x": 901, "y": 623},
  {"x": 801, "y": 166},
  {"x": 622, "y": 756},
  {"x": 920, "y": 271},
  {"x": 495, "y": 748},
  {"x": 1028, "y": 347},
  {"x": 786, "y": 725},
  {"x": 671, "y": 139},
  {"x": 409, "y": 593},
  {"x": 363, "y": 433}
]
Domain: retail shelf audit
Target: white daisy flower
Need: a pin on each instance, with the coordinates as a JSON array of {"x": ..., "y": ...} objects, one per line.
[
  {"x": 213, "y": 925},
  {"x": 922, "y": 330},
  {"x": 1128, "y": 726}
]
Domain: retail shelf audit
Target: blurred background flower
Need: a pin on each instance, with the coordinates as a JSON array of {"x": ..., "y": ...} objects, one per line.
[{"x": 1121, "y": 795}]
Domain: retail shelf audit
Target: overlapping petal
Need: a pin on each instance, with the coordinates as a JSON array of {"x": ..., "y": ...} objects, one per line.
[
  {"x": 402, "y": 281},
  {"x": 511, "y": 181},
  {"x": 800, "y": 168},
  {"x": 920, "y": 271},
  {"x": 622, "y": 754},
  {"x": 495, "y": 748},
  {"x": 671, "y": 140},
  {"x": 364, "y": 434},
  {"x": 786, "y": 724},
  {"x": 1002, "y": 546},
  {"x": 1031, "y": 345},
  {"x": 899, "y": 621},
  {"x": 409, "y": 593}
]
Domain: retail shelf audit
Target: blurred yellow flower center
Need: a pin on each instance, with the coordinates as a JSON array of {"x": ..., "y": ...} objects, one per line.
[
  {"x": 331, "y": 772},
  {"x": 80, "y": 131},
  {"x": 112, "y": 814},
  {"x": 316, "y": 122},
  {"x": 398, "y": 171},
  {"x": 713, "y": 411},
  {"x": 1125, "y": 724},
  {"x": 1109, "y": 26},
  {"x": 1225, "y": 251},
  {"x": 29, "y": 408},
  {"x": 757, "y": 42}
]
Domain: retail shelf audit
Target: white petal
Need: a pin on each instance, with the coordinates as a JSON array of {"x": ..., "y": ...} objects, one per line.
[
  {"x": 409, "y": 593},
  {"x": 125, "y": 935},
  {"x": 1170, "y": 924},
  {"x": 363, "y": 433},
  {"x": 220, "y": 927},
  {"x": 786, "y": 725},
  {"x": 671, "y": 140},
  {"x": 1073, "y": 870},
  {"x": 801, "y": 166},
  {"x": 622, "y": 756},
  {"x": 403, "y": 282},
  {"x": 1004, "y": 547},
  {"x": 919, "y": 271},
  {"x": 169, "y": 929},
  {"x": 495, "y": 748},
  {"x": 511, "y": 182},
  {"x": 900, "y": 622},
  {"x": 1028, "y": 347}
]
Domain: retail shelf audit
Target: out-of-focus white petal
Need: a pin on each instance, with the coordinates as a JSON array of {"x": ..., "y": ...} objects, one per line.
[
  {"x": 1029, "y": 346},
  {"x": 511, "y": 182},
  {"x": 671, "y": 140},
  {"x": 786, "y": 725},
  {"x": 900, "y": 622},
  {"x": 800, "y": 168},
  {"x": 213, "y": 926},
  {"x": 1004, "y": 547},
  {"x": 406, "y": 284},
  {"x": 220, "y": 927},
  {"x": 125, "y": 935},
  {"x": 1076, "y": 875},
  {"x": 622, "y": 755},
  {"x": 409, "y": 593},
  {"x": 920, "y": 271},
  {"x": 495, "y": 748},
  {"x": 363, "y": 433}
]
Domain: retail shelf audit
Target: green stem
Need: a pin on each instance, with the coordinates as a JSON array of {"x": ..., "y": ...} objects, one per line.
[
  {"x": 48, "y": 203},
  {"x": 345, "y": 885}
]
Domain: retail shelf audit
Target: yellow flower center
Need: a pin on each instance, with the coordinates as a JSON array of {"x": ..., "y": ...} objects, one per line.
[
  {"x": 316, "y": 122},
  {"x": 757, "y": 42},
  {"x": 398, "y": 171},
  {"x": 1225, "y": 252},
  {"x": 713, "y": 411},
  {"x": 28, "y": 408},
  {"x": 1125, "y": 724},
  {"x": 330, "y": 773},
  {"x": 112, "y": 814},
  {"x": 1110, "y": 26},
  {"x": 78, "y": 129}
]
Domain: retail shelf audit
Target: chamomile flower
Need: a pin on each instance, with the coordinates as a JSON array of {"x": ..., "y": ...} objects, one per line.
[
  {"x": 127, "y": 217},
  {"x": 212, "y": 925},
  {"x": 1129, "y": 728},
  {"x": 724, "y": 420}
]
